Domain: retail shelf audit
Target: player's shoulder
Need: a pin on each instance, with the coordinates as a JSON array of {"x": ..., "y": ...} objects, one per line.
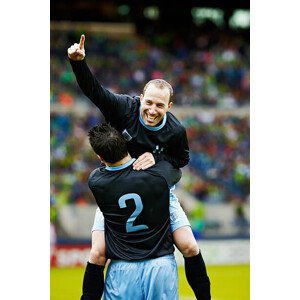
[
  {"x": 159, "y": 166},
  {"x": 174, "y": 123},
  {"x": 132, "y": 102},
  {"x": 167, "y": 171},
  {"x": 95, "y": 175},
  {"x": 163, "y": 164}
]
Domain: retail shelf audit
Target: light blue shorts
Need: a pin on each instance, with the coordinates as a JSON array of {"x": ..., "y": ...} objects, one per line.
[
  {"x": 150, "y": 279},
  {"x": 178, "y": 217}
]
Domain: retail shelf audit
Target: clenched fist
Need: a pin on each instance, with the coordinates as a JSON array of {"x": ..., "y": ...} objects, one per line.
[{"x": 76, "y": 51}]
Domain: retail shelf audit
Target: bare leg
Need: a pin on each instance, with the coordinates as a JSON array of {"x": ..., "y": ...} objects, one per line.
[
  {"x": 185, "y": 241},
  {"x": 93, "y": 282},
  {"x": 195, "y": 269},
  {"x": 97, "y": 254}
]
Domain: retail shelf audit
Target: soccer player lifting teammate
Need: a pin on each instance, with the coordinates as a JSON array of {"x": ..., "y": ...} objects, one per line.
[
  {"x": 137, "y": 222},
  {"x": 153, "y": 134}
]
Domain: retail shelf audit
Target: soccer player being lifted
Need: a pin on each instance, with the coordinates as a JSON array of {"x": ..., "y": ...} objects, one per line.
[
  {"x": 135, "y": 205},
  {"x": 153, "y": 134}
]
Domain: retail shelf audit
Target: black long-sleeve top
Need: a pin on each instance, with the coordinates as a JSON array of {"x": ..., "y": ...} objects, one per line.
[
  {"x": 135, "y": 205},
  {"x": 168, "y": 141}
]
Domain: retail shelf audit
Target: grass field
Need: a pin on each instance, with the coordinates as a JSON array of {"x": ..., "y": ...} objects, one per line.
[{"x": 227, "y": 283}]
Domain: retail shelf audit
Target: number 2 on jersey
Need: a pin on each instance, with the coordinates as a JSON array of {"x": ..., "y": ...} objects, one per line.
[{"x": 138, "y": 209}]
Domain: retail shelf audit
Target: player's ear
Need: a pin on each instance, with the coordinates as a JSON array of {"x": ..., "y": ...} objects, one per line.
[
  {"x": 170, "y": 105},
  {"x": 141, "y": 97}
]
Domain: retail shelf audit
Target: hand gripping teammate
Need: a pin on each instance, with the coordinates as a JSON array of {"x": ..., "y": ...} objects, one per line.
[{"x": 153, "y": 134}]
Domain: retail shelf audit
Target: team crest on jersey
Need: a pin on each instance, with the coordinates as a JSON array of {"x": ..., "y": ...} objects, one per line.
[{"x": 158, "y": 149}]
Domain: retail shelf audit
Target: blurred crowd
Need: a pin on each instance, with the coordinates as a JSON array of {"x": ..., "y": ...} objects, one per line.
[
  {"x": 219, "y": 149},
  {"x": 218, "y": 171},
  {"x": 210, "y": 71},
  {"x": 72, "y": 159}
]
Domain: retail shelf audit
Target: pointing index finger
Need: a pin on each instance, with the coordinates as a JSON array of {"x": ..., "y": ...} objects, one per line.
[{"x": 81, "y": 43}]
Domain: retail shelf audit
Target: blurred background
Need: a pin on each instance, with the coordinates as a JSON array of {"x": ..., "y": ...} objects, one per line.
[{"x": 202, "y": 49}]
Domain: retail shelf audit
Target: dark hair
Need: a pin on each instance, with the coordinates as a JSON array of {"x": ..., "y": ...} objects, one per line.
[
  {"x": 108, "y": 143},
  {"x": 161, "y": 84}
]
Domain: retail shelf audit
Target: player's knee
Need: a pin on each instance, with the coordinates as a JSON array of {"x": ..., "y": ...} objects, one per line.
[
  {"x": 190, "y": 249},
  {"x": 97, "y": 257}
]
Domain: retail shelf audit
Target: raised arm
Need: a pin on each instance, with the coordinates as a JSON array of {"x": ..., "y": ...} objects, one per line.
[{"x": 110, "y": 104}]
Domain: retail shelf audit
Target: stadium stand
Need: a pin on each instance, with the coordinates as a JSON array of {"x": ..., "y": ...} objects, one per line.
[
  {"x": 211, "y": 85},
  {"x": 212, "y": 74}
]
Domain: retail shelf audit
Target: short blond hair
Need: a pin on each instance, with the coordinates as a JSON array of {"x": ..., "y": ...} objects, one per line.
[{"x": 161, "y": 84}]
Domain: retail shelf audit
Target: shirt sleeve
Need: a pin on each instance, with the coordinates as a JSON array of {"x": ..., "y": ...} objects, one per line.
[
  {"x": 171, "y": 174},
  {"x": 113, "y": 106}
]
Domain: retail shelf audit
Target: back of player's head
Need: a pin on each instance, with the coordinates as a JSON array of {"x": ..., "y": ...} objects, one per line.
[{"x": 108, "y": 143}]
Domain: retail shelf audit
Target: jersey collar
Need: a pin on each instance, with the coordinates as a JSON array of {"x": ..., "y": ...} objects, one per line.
[
  {"x": 117, "y": 168},
  {"x": 150, "y": 127}
]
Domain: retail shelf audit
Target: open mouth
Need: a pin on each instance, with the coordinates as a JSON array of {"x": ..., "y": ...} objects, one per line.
[{"x": 150, "y": 119}]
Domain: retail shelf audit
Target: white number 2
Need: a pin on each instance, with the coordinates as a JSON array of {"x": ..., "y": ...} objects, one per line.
[{"x": 138, "y": 209}]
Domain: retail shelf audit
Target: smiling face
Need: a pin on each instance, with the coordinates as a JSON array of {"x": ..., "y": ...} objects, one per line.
[{"x": 154, "y": 104}]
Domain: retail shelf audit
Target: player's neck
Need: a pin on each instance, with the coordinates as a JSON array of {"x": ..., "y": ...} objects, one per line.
[{"x": 120, "y": 162}]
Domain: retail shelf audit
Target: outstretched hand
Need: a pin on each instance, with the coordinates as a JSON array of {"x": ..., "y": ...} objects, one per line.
[{"x": 76, "y": 51}]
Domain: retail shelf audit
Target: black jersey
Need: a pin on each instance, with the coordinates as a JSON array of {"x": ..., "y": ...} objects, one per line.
[
  {"x": 168, "y": 141},
  {"x": 135, "y": 205}
]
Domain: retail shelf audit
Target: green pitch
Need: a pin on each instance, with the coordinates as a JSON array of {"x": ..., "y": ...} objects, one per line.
[{"x": 227, "y": 283}]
